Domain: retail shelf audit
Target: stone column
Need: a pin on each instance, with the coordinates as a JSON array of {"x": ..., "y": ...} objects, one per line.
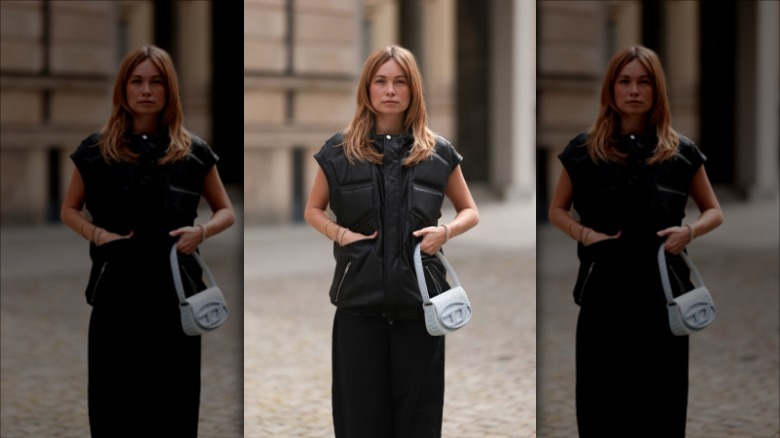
[{"x": 513, "y": 99}]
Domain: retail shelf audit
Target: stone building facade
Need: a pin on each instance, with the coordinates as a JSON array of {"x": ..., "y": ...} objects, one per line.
[
  {"x": 302, "y": 59},
  {"x": 57, "y": 65},
  {"x": 721, "y": 62}
]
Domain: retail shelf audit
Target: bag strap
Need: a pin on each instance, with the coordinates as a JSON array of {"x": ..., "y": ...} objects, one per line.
[
  {"x": 418, "y": 267},
  {"x": 697, "y": 280},
  {"x": 177, "y": 273}
]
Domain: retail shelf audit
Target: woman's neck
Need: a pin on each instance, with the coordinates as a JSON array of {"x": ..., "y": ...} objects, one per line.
[
  {"x": 633, "y": 124},
  {"x": 144, "y": 125},
  {"x": 388, "y": 124}
]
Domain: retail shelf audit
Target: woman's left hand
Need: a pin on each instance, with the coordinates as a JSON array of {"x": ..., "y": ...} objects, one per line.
[
  {"x": 676, "y": 239},
  {"x": 189, "y": 239},
  {"x": 432, "y": 239}
]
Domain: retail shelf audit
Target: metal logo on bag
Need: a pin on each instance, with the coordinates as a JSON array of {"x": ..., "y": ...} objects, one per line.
[
  {"x": 699, "y": 315},
  {"x": 455, "y": 315},
  {"x": 211, "y": 315}
]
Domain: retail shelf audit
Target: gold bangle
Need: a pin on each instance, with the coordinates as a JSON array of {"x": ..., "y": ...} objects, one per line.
[
  {"x": 94, "y": 230},
  {"x": 446, "y": 232},
  {"x": 327, "y": 224},
  {"x": 584, "y": 234},
  {"x": 97, "y": 238},
  {"x": 81, "y": 229},
  {"x": 690, "y": 233},
  {"x": 341, "y": 236},
  {"x": 202, "y": 233},
  {"x": 569, "y": 228}
]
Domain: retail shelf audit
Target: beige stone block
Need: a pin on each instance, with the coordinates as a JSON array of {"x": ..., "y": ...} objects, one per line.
[
  {"x": 82, "y": 59},
  {"x": 325, "y": 59},
  {"x": 568, "y": 108},
  {"x": 83, "y": 7},
  {"x": 568, "y": 6},
  {"x": 266, "y": 56},
  {"x": 249, "y": 4},
  {"x": 327, "y": 5},
  {"x": 322, "y": 28},
  {"x": 267, "y": 191},
  {"x": 264, "y": 107},
  {"x": 80, "y": 107},
  {"x": 21, "y": 56},
  {"x": 21, "y": 107},
  {"x": 21, "y": 20},
  {"x": 571, "y": 28},
  {"x": 82, "y": 27},
  {"x": 265, "y": 22},
  {"x": 571, "y": 60},
  {"x": 23, "y": 186},
  {"x": 323, "y": 107}
]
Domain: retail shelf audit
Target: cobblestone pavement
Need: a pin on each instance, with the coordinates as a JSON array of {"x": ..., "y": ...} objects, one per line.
[
  {"x": 734, "y": 364},
  {"x": 491, "y": 366},
  {"x": 43, "y": 365}
]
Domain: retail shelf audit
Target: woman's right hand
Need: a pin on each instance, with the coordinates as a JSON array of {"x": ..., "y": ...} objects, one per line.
[
  {"x": 352, "y": 237},
  {"x": 107, "y": 236},
  {"x": 594, "y": 236}
]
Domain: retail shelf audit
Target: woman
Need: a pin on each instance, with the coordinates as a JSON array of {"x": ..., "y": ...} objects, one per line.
[
  {"x": 141, "y": 179},
  {"x": 385, "y": 178},
  {"x": 629, "y": 179}
]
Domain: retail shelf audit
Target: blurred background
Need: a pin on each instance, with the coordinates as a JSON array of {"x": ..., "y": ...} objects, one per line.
[
  {"x": 57, "y": 65},
  {"x": 302, "y": 60},
  {"x": 723, "y": 77}
]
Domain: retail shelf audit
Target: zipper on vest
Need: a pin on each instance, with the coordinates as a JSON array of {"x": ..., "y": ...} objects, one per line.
[
  {"x": 341, "y": 282},
  {"x": 97, "y": 282},
  {"x": 671, "y": 190},
  {"x": 585, "y": 281}
]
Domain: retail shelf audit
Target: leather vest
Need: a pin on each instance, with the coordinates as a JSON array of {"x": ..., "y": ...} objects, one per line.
[
  {"x": 146, "y": 198},
  {"x": 634, "y": 198},
  {"x": 395, "y": 200}
]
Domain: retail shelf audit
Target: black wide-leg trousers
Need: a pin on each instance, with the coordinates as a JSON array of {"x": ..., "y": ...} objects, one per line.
[{"x": 388, "y": 377}]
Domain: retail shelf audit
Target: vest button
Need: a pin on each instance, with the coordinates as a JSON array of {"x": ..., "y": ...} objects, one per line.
[
  {"x": 388, "y": 137},
  {"x": 144, "y": 136}
]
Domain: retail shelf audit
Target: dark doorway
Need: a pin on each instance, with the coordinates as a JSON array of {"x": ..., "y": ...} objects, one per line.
[
  {"x": 717, "y": 94},
  {"x": 228, "y": 89},
  {"x": 472, "y": 90}
]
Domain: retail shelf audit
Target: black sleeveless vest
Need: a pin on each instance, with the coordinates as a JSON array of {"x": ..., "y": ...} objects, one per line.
[{"x": 395, "y": 200}]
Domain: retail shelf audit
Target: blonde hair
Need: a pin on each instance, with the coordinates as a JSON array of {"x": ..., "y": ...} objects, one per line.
[
  {"x": 113, "y": 135},
  {"x": 357, "y": 144},
  {"x": 601, "y": 142}
]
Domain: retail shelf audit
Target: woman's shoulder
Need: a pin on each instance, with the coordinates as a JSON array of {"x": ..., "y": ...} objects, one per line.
[
  {"x": 690, "y": 152},
  {"x": 332, "y": 147},
  {"x": 200, "y": 149},
  {"x": 576, "y": 149},
  {"x": 445, "y": 148},
  {"x": 88, "y": 149}
]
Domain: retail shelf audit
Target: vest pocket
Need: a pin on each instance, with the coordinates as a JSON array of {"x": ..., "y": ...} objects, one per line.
[
  {"x": 426, "y": 205},
  {"x": 358, "y": 205}
]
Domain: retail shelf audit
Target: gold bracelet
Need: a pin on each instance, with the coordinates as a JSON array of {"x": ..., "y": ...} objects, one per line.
[
  {"x": 341, "y": 236},
  {"x": 584, "y": 234},
  {"x": 690, "y": 233},
  {"x": 202, "y": 233},
  {"x": 446, "y": 232},
  {"x": 569, "y": 229},
  {"x": 94, "y": 230},
  {"x": 81, "y": 229},
  {"x": 326, "y": 228},
  {"x": 97, "y": 238}
]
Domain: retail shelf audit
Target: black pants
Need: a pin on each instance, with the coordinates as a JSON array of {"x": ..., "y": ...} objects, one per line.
[
  {"x": 144, "y": 375},
  {"x": 388, "y": 378},
  {"x": 632, "y": 376}
]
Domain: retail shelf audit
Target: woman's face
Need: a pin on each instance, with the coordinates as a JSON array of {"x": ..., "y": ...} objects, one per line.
[
  {"x": 633, "y": 90},
  {"x": 389, "y": 89},
  {"x": 145, "y": 90}
]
